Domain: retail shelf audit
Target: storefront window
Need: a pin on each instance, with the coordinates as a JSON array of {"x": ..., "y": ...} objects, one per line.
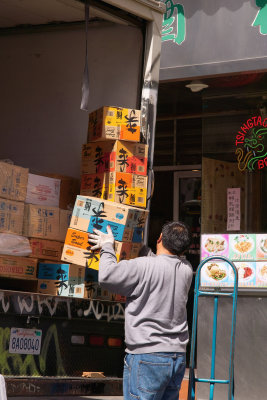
[
  {"x": 234, "y": 157},
  {"x": 234, "y": 181}
]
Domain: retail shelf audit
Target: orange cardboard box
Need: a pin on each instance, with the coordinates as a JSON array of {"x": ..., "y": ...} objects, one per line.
[
  {"x": 77, "y": 250},
  {"x": 114, "y": 156},
  {"x": 114, "y": 123},
  {"x": 118, "y": 187}
]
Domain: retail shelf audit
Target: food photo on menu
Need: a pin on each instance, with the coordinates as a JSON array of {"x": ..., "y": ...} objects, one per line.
[
  {"x": 262, "y": 274},
  {"x": 247, "y": 251},
  {"x": 215, "y": 274},
  {"x": 214, "y": 245},
  {"x": 261, "y": 244},
  {"x": 246, "y": 274},
  {"x": 242, "y": 246}
]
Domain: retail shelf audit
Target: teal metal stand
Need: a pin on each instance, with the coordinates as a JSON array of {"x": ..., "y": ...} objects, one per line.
[{"x": 216, "y": 293}]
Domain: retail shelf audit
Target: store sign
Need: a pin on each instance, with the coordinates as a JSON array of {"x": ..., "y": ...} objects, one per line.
[
  {"x": 173, "y": 26},
  {"x": 249, "y": 141},
  {"x": 261, "y": 17},
  {"x": 213, "y": 37}
]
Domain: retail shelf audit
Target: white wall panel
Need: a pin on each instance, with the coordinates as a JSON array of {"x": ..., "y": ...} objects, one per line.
[{"x": 42, "y": 126}]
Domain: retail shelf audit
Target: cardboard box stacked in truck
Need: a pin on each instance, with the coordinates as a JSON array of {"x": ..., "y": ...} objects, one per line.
[
  {"x": 43, "y": 190},
  {"x": 114, "y": 163},
  {"x": 115, "y": 171},
  {"x": 61, "y": 279},
  {"x": 114, "y": 123},
  {"x": 77, "y": 249},
  {"x": 46, "y": 249},
  {"x": 29, "y": 206},
  {"x": 13, "y": 191},
  {"x": 18, "y": 267},
  {"x": 127, "y": 224},
  {"x": 113, "y": 186},
  {"x": 118, "y": 187},
  {"x": 69, "y": 188},
  {"x": 114, "y": 156},
  {"x": 13, "y": 182}
]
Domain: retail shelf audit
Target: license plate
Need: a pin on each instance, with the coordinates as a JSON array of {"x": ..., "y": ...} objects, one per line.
[{"x": 25, "y": 341}]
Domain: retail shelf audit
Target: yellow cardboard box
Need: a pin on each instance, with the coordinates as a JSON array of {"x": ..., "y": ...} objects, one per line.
[
  {"x": 127, "y": 223},
  {"x": 18, "y": 267},
  {"x": 114, "y": 156},
  {"x": 13, "y": 182},
  {"x": 77, "y": 250},
  {"x": 41, "y": 222},
  {"x": 114, "y": 123},
  {"x": 11, "y": 216},
  {"x": 118, "y": 187},
  {"x": 46, "y": 249}
]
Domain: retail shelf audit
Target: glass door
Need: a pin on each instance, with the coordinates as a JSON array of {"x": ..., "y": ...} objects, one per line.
[{"x": 187, "y": 208}]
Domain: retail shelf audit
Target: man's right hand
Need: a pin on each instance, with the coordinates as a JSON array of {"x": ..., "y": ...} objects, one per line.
[{"x": 99, "y": 238}]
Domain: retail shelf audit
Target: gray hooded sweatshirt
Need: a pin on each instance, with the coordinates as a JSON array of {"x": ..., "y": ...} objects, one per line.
[{"x": 156, "y": 289}]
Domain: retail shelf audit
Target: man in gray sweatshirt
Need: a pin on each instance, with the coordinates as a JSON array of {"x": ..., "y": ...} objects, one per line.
[{"x": 156, "y": 331}]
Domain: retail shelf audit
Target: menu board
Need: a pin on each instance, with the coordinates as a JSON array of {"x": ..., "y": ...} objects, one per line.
[{"x": 247, "y": 251}]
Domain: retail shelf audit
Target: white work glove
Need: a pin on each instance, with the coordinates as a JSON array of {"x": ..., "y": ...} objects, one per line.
[{"x": 99, "y": 238}]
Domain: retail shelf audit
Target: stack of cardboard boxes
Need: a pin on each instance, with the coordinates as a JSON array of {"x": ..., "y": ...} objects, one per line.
[
  {"x": 113, "y": 189},
  {"x": 36, "y": 207},
  {"x": 46, "y": 210},
  {"x": 13, "y": 191}
]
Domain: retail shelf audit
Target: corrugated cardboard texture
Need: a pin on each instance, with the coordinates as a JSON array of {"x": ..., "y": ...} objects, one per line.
[
  {"x": 127, "y": 223},
  {"x": 69, "y": 189},
  {"x": 64, "y": 222},
  {"x": 46, "y": 286},
  {"x": 114, "y": 123},
  {"x": 118, "y": 187},
  {"x": 77, "y": 250},
  {"x": 41, "y": 222},
  {"x": 43, "y": 190},
  {"x": 13, "y": 182},
  {"x": 11, "y": 216},
  {"x": 114, "y": 156},
  {"x": 46, "y": 249},
  {"x": 94, "y": 291},
  {"x": 18, "y": 267},
  {"x": 61, "y": 279}
]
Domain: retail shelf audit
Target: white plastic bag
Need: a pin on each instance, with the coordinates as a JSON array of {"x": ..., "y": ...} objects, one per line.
[
  {"x": 2, "y": 388},
  {"x": 14, "y": 245}
]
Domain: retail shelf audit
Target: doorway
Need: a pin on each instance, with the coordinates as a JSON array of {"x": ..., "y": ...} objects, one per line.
[{"x": 187, "y": 208}]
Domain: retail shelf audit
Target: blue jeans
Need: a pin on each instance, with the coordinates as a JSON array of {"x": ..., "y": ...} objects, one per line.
[{"x": 153, "y": 376}]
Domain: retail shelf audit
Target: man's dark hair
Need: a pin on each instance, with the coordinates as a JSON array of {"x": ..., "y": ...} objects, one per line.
[{"x": 176, "y": 237}]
